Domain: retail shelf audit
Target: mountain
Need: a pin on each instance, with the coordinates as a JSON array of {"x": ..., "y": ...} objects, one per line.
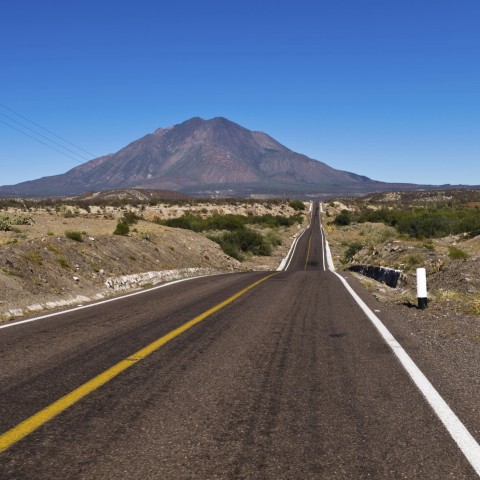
[{"x": 200, "y": 156}]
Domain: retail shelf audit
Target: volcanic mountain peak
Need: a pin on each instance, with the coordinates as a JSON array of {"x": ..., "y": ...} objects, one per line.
[{"x": 199, "y": 155}]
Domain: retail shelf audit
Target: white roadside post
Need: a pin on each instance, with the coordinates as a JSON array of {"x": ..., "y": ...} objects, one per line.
[{"x": 422, "y": 288}]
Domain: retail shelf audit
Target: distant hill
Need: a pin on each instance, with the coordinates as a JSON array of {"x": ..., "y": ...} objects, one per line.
[{"x": 203, "y": 157}]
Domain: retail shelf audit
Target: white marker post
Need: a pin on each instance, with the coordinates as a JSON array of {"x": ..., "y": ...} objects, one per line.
[{"x": 422, "y": 288}]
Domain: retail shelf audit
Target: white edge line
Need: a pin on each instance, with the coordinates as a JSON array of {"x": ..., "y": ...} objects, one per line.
[
  {"x": 289, "y": 255},
  {"x": 91, "y": 305},
  {"x": 463, "y": 438},
  {"x": 294, "y": 248},
  {"x": 322, "y": 236}
]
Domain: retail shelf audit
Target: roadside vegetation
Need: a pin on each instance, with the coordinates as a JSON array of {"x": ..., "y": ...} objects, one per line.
[
  {"x": 427, "y": 223},
  {"x": 438, "y": 231},
  {"x": 234, "y": 233}
]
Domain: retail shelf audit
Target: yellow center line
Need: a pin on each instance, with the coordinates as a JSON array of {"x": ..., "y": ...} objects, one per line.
[
  {"x": 309, "y": 241},
  {"x": 26, "y": 427},
  {"x": 308, "y": 251}
]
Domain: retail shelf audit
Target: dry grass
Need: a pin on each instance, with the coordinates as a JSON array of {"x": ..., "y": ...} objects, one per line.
[{"x": 467, "y": 303}]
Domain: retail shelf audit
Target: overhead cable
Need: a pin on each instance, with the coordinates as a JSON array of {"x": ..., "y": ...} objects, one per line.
[{"x": 48, "y": 131}]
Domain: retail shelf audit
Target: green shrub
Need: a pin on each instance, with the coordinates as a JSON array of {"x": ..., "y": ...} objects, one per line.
[
  {"x": 121, "y": 229},
  {"x": 427, "y": 223},
  {"x": 130, "y": 218},
  {"x": 229, "y": 222},
  {"x": 297, "y": 205},
  {"x": 413, "y": 260},
  {"x": 457, "y": 254},
  {"x": 69, "y": 214},
  {"x": 273, "y": 239},
  {"x": 62, "y": 262},
  {"x": 21, "y": 220},
  {"x": 242, "y": 241},
  {"x": 352, "y": 250},
  {"x": 5, "y": 223},
  {"x": 73, "y": 235},
  {"x": 343, "y": 218}
]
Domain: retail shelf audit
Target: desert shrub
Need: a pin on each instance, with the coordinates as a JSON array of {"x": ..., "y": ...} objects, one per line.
[
  {"x": 5, "y": 223},
  {"x": 456, "y": 253},
  {"x": 73, "y": 235},
  {"x": 62, "y": 262},
  {"x": 427, "y": 223},
  {"x": 297, "y": 205},
  {"x": 413, "y": 260},
  {"x": 228, "y": 222},
  {"x": 352, "y": 250},
  {"x": 121, "y": 229},
  {"x": 273, "y": 221},
  {"x": 429, "y": 245},
  {"x": 343, "y": 218},
  {"x": 21, "y": 220},
  {"x": 69, "y": 214},
  {"x": 186, "y": 221},
  {"x": 273, "y": 239},
  {"x": 242, "y": 241},
  {"x": 237, "y": 239},
  {"x": 130, "y": 218}
]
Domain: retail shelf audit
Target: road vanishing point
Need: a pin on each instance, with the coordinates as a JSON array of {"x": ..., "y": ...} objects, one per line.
[{"x": 258, "y": 375}]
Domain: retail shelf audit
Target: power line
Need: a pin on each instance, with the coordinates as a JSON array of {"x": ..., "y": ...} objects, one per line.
[
  {"x": 40, "y": 141},
  {"x": 46, "y": 130},
  {"x": 43, "y": 136}
]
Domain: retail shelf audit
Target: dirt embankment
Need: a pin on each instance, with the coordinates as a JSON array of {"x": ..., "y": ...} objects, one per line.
[{"x": 40, "y": 268}]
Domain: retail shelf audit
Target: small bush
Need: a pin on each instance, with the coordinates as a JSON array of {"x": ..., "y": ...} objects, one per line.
[
  {"x": 63, "y": 263},
  {"x": 297, "y": 205},
  {"x": 352, "y": 250},
  {"x": 413, "y": 260},
  {"x": 121, "y": 229},
  {"x": 73, "y": 235},
  {"x": 237, "y": 243},
  {"x": 229, "y": 222},
  {"x": 5, "y": 223},
  {"x": 273, "y": 239},
  {"x": 21, "y": 220},
  {"x": 130, "y": 218},
  {"x": 69, "y": 214},
  {"x": 457, "y": 254},
  {"x": 343, "y": 218},
  {"x": 429, "y": 246}
]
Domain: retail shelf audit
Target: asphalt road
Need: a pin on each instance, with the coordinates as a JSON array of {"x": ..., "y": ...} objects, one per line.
[{"x": 289, "y": 380}]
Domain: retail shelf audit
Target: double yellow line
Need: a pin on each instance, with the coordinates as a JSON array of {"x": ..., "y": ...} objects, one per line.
[{"x": 26, "y": 427}]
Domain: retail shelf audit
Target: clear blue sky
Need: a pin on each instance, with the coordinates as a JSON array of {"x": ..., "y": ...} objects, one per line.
[{"x": 384, "y": 88}]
